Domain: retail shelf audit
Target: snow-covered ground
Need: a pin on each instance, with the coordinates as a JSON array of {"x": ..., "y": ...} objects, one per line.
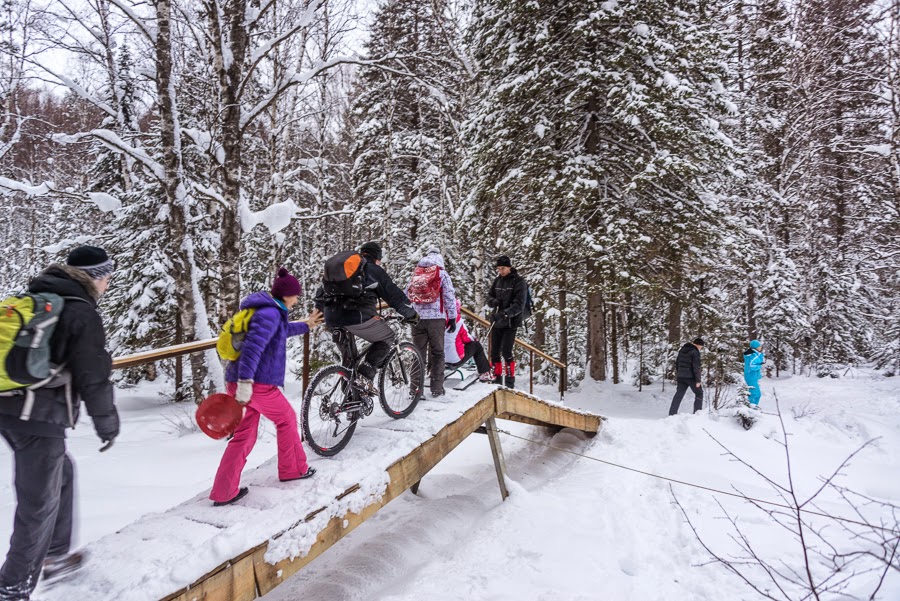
[{"x": 573, "y": 528}]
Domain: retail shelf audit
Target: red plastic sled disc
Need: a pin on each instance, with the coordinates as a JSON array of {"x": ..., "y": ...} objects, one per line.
[{"x": 219, "y": 415}]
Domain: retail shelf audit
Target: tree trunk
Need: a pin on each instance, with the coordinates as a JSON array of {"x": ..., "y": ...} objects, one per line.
[
  {"x": 596, "y": 325},
  {"x": 563, "y": 325},
  {"x": 230, "y": 35},
  {"x": 183, "y": 272},
  {"x": 614, "y": 342},
  {"x": 539, "y": 339},
  {"x": 676, "y": 307},
  {"x": 179, "y": 360},
  {"x": 751, "y": 312}
]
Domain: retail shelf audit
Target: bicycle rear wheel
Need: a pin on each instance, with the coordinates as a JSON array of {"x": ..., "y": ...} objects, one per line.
[
  {"x": 327, "y": 427},
  {"x": 401, "y": 381}
]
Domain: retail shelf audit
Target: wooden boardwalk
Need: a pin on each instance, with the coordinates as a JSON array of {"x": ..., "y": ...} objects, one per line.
[{"x": 248, "y": 575}]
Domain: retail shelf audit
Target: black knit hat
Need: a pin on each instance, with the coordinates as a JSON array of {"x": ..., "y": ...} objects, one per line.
[
  {"x": 373, "y": 249},
  {"x": 699, "y": 342},
  {"x": 503, "y": 261},
  {"x": 91, "y": 259}
]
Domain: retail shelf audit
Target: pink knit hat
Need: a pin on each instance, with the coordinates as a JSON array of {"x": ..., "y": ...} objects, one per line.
[{"x": 285, "y": 284}]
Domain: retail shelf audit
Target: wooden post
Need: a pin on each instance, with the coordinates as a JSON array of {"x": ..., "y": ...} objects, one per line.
[
  {"x": 531, "y": 373},
  {"x": 562, "y": 383},
  {"x": 305, "y": 362},
  {"x": 497, "y": 452}
]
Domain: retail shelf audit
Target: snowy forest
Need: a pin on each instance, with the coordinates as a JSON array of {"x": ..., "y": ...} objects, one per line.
[{"x": 656, "y": 169}]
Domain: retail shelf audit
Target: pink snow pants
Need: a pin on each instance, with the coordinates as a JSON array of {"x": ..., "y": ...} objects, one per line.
[{"x": 269, "y": 401}]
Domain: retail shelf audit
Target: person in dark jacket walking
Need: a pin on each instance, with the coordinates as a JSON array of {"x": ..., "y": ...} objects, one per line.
[
  {"x": 507, "y": 297},
  {"x": 360, "y": 316},
  {"x": 255, "y": 380},
  {"x": 44, "y": 475},
  {"x": 687, "y": 373}
]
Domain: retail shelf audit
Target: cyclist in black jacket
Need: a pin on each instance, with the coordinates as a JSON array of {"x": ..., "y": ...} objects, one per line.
[
  {"x": 360, "y": 316},
  {"x": 507, "y": 296},
  {"x": 45, "y": 487}
]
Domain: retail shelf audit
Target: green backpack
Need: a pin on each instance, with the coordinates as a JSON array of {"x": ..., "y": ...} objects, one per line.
[
  {"x": 231, "y": 337},
  {"x": 27, "y": 323}
]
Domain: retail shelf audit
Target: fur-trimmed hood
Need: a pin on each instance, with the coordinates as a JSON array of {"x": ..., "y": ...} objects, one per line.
[{"x": 66, "y": 281}]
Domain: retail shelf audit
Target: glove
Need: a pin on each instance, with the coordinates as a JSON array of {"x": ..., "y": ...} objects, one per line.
[
  {"x": 451, "y": 325},
  {"x": 107, "y": 426},
  {"x": 492, "y": 302},
  {"x": 501, "y": 320},
  {"x": 412, "y": 319},
  {"x": 244, "y": 391}
]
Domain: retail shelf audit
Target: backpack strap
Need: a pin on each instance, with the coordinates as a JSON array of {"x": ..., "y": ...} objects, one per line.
[
  {"x": 441, "y": 292},
  {"x": 58, "y": 377}
]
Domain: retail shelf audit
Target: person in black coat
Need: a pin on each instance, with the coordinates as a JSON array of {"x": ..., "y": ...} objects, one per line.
[
  {"x": 507, "y": 297},
  {"x": 360, "y": 316},
  {"x": 687, "y": 373},
  {"x": 44, "y": 477}
]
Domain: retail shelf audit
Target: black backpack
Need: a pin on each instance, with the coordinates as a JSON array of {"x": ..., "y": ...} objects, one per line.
[
  {"x": 344, "y": 276},
  {"x": 529, "y": 303}
]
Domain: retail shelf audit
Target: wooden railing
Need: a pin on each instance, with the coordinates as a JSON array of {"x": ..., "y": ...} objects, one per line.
[
  {"x": 199, "y": 346},
  {"x": 532, "y": 351}
]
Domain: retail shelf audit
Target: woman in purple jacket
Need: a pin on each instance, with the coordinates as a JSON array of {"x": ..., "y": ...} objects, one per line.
[{"x": 255, "y": 380}]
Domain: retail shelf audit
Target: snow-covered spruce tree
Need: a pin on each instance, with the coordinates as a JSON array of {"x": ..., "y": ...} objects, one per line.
[
  {"x": 884, "y": 222},
  {"x": 598, "y": 124},
  {"x": 407, "y": 152},
  {"x": 839, "y": 74},
  {"x": 766, "y": 187}
]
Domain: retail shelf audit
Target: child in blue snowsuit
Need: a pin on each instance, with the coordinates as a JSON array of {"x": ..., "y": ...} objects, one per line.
[{"x": 753, "y": 361}]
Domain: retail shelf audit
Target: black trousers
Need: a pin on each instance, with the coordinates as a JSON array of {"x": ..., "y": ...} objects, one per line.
[
  {"x": 428, "y": 336},
  {"x": 681, "y": 388},
  {"x": 45, "y": 493},
  {"x": 502, "y": 340},
  {"x": 474, "y": 350}
]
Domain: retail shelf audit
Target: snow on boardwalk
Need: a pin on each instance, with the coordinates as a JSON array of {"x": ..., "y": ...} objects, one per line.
[{"x": 163, "y": 552}]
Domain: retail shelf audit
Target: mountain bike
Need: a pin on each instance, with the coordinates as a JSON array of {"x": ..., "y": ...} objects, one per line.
[{"x": 338, "y": 396}]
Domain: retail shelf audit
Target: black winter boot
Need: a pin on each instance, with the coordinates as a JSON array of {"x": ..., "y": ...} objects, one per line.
[{"x": 56, "y": 567}]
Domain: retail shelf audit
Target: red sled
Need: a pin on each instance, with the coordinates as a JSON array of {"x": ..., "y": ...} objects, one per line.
[{"x": 219, "y": 415}]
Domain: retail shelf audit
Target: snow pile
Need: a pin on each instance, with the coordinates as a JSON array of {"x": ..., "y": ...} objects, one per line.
[
  {"x": 176, "y": 546},
  {"x": 577, "y": 529},
  {"x": 573, "y": 529}
]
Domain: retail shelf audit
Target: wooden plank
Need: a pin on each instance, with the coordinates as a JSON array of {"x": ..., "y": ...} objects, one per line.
[
  {"x": 163, "y": 353},
  {"x": 403, "y": 474},
  {"x": 521, "y": 420},
  {"x": 195, "y": 590},
  {"x": 269, "y": 576},
  {"x": 237, "y": 582},
  {"x": 176, "y": 350},
  {"x": 512, "y": 403}
]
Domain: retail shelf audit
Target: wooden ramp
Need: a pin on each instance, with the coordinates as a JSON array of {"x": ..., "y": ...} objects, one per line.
[{"x": 249, "y": 576}]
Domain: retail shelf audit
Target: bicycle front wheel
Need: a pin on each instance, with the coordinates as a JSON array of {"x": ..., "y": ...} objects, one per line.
[
  {"x": 327, "y": 427},
  {"x": 402, "y": 381}
]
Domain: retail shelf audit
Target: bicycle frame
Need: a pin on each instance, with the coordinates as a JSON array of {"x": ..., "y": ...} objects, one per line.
[{"x": 351, "y": 355}]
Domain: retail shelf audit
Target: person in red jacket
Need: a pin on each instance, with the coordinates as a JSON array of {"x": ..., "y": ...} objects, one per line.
[{"x": 459, "y": 347}]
